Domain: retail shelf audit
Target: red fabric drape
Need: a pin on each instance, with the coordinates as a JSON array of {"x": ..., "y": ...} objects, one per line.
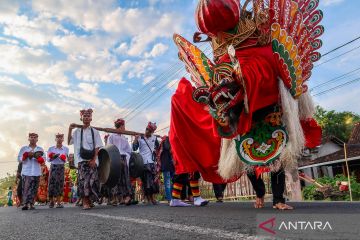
[
  {"x": 312, "y": 132},
  {"x": 260, "y": 73},
  {"x": 194, "y": 147}
]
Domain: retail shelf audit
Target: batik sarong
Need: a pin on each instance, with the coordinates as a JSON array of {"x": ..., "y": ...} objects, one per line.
[
  {"x": 123, "y": 186},
  {"x": 30, "y": 186},
  {"x": 149, "y": 186},
  {"x": 56, "y": 180},
  {"x": 88, "y": 183}
]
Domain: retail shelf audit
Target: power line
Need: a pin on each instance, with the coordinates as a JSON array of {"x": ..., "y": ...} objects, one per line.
[
  {"x": 336, "y": 78},
  {"x": 145, "y": 89},
  {"x": 333, "y": 50},
  {"x": 162, "y": 129},
  {"x": 149, "y": 93},
  {"x": 166, "y": 90},
  {"x": 138, "y": 106},
  {"x": 336, "y": 87},
  {"x": 353, "y": 49},
  {"x": 144, "y": 97}
]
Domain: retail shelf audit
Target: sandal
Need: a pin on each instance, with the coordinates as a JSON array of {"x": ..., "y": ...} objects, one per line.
[
  {"x": 282, "y": 206},
  {"x": 59, "y": 205}
]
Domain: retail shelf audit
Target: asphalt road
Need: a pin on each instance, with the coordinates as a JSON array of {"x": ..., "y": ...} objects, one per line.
[{"x": 230, "y": 220}]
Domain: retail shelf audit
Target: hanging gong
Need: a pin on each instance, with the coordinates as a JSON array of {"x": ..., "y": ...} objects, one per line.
[
  {"x": 136, "y": 165},
  {"x": 110, "y": 165}
]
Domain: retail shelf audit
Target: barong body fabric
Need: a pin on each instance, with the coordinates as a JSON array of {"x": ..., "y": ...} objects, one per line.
[{"x": 194, "y": 144}]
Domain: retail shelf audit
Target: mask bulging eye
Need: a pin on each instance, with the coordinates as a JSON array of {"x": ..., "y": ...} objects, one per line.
[{"x": 225, "y": 81}]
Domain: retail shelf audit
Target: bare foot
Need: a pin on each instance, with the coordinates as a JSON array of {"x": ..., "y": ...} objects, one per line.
[
  {"x": 86, "y": 204},
  {"x": 282, "y": 206},
  {"x": 259, "y": 203},
  {"x": 127, "y": 200}
]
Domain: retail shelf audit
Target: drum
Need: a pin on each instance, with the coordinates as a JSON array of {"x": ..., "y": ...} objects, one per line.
[
  {"x": 136, "y": 165},
  {"x": 110, "y": 165}
]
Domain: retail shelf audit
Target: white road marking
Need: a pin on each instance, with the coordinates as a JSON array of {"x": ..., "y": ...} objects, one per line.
[{"x": 178, "y": 227}]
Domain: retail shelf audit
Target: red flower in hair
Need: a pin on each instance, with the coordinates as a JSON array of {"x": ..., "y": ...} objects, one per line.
[
  {"x": 25, "y": 156},
  {"x": 63, "y": 157},
  {"x": 40, "y": 160}
]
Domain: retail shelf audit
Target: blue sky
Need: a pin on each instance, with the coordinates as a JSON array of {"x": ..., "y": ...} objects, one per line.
[{"x": 60, "y": 56}]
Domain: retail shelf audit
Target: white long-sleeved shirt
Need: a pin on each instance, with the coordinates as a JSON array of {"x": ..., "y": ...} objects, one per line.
[
  {"x": 63, "y": 150},
  {"x": 30, "y": 167},
  {"x": 122, "y": 144},
  {"x": 145, "y": 151},
  {"x": 87, "y": 143}
]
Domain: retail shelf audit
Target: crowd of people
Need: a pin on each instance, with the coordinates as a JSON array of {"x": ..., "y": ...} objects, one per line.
[{"x": 86, "y": 140}]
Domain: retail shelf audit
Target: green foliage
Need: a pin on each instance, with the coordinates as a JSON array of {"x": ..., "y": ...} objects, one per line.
[
  {"x": 5, "y": 183},
  {"x": 338, "y": 124},
  {"x": 310, "y": 193}
]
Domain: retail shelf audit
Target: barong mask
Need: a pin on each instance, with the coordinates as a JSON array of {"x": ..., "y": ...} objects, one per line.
[
  {"x": 291, "y": 27},
  {"x": 217, "y": 86}
]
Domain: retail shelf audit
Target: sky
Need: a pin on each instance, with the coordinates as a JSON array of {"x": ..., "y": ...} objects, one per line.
[{"x": 118, "y": 57}]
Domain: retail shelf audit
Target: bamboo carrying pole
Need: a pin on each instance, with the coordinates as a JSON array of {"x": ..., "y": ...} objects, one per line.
[
  {"x": 348, "y": 172},
  {"x": 112, "y": 130}
]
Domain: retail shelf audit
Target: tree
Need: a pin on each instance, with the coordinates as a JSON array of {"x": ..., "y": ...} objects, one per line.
[{"x": 338, "y": 124}]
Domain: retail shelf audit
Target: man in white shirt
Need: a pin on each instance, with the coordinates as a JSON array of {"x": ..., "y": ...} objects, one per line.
[
  {"x": 87, "y": 142},
  {"x": 57, "y": 156},
  {"x": 123, "y": 188},
  {"x": 31, "y": 158},
  {"x": 147, "y": 145}
]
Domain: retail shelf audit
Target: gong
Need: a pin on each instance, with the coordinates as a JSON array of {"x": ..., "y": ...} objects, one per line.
[
  {"x": 110, "y": 165},
  {"x": 136, "y": 165}
]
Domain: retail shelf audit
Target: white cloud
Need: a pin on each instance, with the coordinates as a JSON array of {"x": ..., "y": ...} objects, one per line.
[
  {"x": 10, "y": 41},
  {"x": 103, "y": 70},
  {"x": 5, "y": 80},
  {"x": 36, "y": 64},
  {"x": 122, "y": 49},
  {"x": 148, "y": 79},
  {"x": 88, "y": 14},
  {"x": 8, "y": 9},
  {"x": 165, "y": 26},
  {"x": 36, "y": 32},
  {"x": 173, "y": 84},
  {"x": 157, "y": 50},
  {"x": 331, "y": 2},
  {"x": 83, "y": 46},
  {"x": 89, "y": 88},
  {"x": 153, "y": 2},
  {"x": 140, "y": 68}
]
